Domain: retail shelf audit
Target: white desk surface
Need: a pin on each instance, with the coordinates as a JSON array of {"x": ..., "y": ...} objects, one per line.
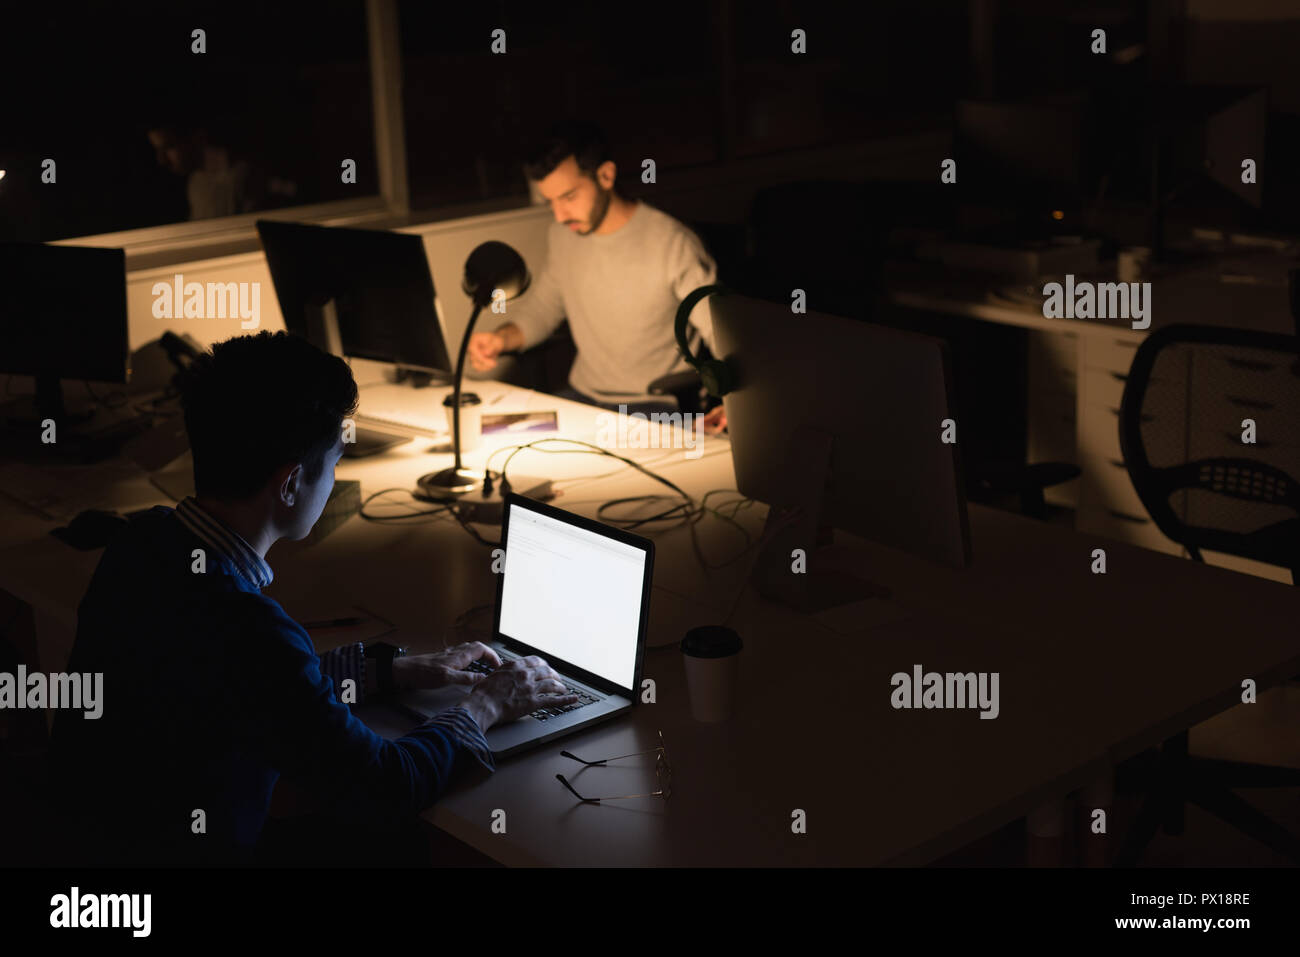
[
  {"x": 1239, "y": 286},
  {"x": 1093, "y": 668}
]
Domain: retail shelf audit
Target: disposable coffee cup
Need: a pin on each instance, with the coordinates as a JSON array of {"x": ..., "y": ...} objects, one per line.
[
  {"x": 712, "y": 657},
  {"x": 471, "y": 420}
]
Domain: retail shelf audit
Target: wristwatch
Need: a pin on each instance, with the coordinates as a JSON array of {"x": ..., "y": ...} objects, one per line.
[{"x": 382, "y": 653}]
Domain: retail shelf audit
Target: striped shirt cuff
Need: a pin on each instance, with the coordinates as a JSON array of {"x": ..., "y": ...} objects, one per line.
[
  {"x": 466, "y": 733},
  {"x": 342, "y": 664}
]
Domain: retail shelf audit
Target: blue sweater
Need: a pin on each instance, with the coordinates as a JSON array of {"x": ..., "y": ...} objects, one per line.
[{"x": 211, "y": 692}]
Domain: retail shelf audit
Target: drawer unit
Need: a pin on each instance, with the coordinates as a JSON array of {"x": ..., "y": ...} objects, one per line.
[
  {"x": 1099, "y": 437},
  {"x": 1098, "y": 434},
  {"x": 1105, "y": 387},
  {"x": 1053, "y": 358},
  {"x": 1125, "y": 527},
  {"x": 1111, "y": 351},
  {"x": 1052, "y": 396},
  {"x": 1107, "y": 487}
]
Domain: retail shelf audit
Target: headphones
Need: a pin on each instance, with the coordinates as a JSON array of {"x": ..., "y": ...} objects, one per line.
[{"x": 715, "y": 374}]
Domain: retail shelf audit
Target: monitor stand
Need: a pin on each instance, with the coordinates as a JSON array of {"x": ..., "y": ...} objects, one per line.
[
  {"x": 28, "y": 412},
  {"x": 322, "y": 322},
  {"x": 823, "y": 582}
]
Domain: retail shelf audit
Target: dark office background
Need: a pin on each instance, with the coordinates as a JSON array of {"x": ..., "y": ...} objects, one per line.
[
  {"x": 690, "y": 84},
  {"x": 285, "y": 92},
  {"x": 702, "y": 87},
  {"x": 693, "y": 85}
]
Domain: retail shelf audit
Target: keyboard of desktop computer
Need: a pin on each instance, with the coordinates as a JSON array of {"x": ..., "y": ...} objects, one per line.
[
  {"x": 401, "y": 407},
  {"x": 541, "y": 714}
]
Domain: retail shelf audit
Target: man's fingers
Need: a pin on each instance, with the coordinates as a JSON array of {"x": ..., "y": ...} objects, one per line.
[
  {"x": 464, "y": 678},
  {"x": 470, "y": 651}
]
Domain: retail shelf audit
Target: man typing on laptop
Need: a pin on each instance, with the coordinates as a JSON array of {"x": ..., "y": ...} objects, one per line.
[{"x": 212, "y": 691}]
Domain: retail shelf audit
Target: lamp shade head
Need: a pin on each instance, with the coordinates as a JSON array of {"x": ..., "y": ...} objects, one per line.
[{"x": 492, "y": 266}]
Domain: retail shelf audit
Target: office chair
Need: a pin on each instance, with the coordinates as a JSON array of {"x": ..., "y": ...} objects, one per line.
[
  {"x": 1187, "y": 392},
  {"x": 685, "y": 387}
]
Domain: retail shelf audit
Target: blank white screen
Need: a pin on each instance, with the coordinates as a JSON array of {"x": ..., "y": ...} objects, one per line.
[{"x": 573, "y": 594}]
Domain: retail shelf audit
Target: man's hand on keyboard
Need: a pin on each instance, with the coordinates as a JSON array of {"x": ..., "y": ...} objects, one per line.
[
  {"x": 444, "y": 668},
  {"x": 518, "y": 687}
]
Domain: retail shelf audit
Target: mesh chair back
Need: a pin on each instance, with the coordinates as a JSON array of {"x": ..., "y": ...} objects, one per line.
[{"x": 1195, "y": 398}]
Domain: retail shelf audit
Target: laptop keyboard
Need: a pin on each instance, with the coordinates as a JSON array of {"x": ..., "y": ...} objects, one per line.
[{"x": 542, "y": 714}]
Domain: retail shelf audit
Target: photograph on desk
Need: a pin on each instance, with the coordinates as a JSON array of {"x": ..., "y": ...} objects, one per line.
[{"x": 705, "y": 435}]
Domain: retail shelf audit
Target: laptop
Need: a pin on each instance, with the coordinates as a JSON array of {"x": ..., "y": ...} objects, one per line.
[{"x": 577, "y": 593}]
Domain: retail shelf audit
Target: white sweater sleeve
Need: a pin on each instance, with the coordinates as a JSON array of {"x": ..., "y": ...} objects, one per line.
[
  {"x": 538, "y": 311},
  {"x": 689, "y": 267}
]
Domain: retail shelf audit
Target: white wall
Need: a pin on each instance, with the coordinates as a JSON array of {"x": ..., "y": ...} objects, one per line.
[
  {"x": 717, "y": 194},
  {"x": 447, "y": 244}
]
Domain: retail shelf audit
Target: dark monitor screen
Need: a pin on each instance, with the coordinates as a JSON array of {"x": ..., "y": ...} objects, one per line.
[
  {"x": 879, "y": 395},
  {"x": 63, "y": 312},
  {"x": 1026, "y": 153},
  {"x": 379, "y": 282}
]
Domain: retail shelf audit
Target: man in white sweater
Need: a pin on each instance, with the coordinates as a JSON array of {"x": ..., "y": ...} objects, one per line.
[{"x": 617, "y": 269}]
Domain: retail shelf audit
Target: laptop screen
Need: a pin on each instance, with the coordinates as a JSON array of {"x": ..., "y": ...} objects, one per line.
[{"x": 572, "y": 594}]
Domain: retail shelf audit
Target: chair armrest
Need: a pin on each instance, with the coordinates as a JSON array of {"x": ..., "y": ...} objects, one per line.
[{"x": 674, "y": 383}]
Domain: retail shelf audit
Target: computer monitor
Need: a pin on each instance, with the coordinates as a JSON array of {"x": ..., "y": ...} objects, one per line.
[
  {"x": 358, "y": 292},
  {"x": 1027, "y": 160},
  {"x": 844, "y": 420},
  {"x": 62, "y": 316}
]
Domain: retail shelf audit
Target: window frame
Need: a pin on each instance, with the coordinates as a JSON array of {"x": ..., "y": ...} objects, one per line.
[{"x": 199, "y": 239}]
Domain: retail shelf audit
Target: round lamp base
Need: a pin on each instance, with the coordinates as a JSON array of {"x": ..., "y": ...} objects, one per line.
[{"x": 449, "y": 484}]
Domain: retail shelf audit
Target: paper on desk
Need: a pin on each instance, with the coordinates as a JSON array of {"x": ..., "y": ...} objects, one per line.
[{"x": 59, "y": 492}]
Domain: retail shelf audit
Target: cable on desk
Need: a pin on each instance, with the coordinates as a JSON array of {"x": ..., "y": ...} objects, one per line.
[
  {"x": 414, "y": 513},
  {"x": 657, "y": 460},
  {"x": 789, "y": 518},
  {"x": 170, "y": 394},
  {"x": 685, "y": 512},
  {"x": 123, "y": 400},
  {"x": 682, "y": 512},
  {"x": 464, "y": 523}
]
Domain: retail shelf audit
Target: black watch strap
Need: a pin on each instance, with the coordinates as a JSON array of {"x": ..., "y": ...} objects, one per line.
[{"x": 383, "y": 654}]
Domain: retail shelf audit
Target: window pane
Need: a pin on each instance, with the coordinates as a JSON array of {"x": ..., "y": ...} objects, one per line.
[
  {"x": 869, "y": 69},
  {"x": 469, "y": 113},
  {"x": 145, "y": 132}
]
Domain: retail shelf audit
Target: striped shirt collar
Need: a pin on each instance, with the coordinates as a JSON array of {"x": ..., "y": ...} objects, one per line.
[{"x": 225, "y": 540}]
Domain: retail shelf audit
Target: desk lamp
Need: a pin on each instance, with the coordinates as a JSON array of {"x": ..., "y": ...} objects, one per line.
[{"x": 492, "y": 269}]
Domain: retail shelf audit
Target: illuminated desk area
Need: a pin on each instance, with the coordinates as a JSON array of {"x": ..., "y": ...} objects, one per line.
[{"x": 813, "y": 730}]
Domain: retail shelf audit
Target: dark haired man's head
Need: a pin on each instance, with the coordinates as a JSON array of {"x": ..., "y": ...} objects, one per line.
[
  {"x": 573, "y": 171},
  {"x": 178, "y": 149},
  {"x": 265, "y": 416}
]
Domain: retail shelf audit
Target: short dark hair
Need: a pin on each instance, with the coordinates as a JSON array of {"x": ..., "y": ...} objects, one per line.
[
  {"x": 583, "y": 141},
  {"x": 256, "y": 403}
]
